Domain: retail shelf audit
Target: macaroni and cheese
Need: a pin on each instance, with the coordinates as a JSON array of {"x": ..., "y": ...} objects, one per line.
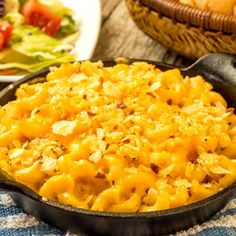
[{"x": 127, "y": 138}]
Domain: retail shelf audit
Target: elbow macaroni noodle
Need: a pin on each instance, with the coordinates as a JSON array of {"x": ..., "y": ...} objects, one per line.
[{"x": 128, "y": 138}]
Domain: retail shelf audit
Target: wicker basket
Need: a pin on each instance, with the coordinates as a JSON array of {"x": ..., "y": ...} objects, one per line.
[{"x": 184, "y": 29}]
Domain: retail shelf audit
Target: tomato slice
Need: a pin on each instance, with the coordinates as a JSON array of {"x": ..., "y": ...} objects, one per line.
[
  {"x": 8, "y": 72},
  {"x": 5, "y": 30},
  {"x": 40, "y": 16},
  {"x": 1, "y": 41}
]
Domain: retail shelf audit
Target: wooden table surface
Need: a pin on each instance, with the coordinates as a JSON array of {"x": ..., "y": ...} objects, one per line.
[{"x": 119, "y": 36}]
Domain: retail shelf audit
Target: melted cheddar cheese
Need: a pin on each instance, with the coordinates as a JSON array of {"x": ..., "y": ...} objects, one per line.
[{"x": 127, "y": 138}]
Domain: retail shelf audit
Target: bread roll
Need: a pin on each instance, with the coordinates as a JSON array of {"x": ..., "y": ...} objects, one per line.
[
  {"x": 222, "y": 6},
  {"x": 225, "y": 6},
  {"x": 203, "y": 4},
  {"x": 187, "y": 2}
]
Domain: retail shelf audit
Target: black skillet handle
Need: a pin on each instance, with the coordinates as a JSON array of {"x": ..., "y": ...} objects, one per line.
[
  {"x": 13, "y": 186},
  {"x": 218, "y": 69},
  {"x": 9, "y": 185}
]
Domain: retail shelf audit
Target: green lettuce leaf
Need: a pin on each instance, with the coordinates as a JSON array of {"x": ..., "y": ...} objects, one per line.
[
  {"x": 6, "y": 56},
  {"x": 68, "y": 26},
  {"x": 22, "y": 2},
  {"x": 31, "y": 50},
  {"x": 32, "y": 42},
  {"x": 34, "y": 65},
  {"x": 58, "y": 7},
  {"x": 14, "y": 18}
]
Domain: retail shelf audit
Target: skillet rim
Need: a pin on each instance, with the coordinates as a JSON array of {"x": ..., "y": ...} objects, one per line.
[{"x": 226, "y": 193}]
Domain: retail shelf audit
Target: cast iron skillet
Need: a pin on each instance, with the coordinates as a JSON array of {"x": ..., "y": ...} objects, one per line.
[{"x": 219, "y": 70}]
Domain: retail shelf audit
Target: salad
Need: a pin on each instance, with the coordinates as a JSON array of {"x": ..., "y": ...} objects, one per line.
[{"x": 35, "y": 34}]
